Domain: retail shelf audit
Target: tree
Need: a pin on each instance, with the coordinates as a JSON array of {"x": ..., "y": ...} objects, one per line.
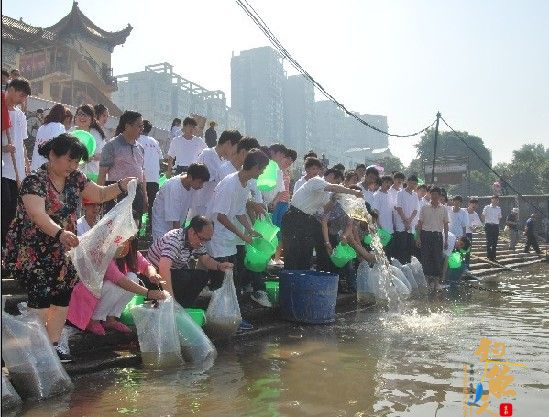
[
  {"x": 415, "y": 167},
  {"x": 528, "y": 172},
  {"x": 391, "y": 164},
  {"x": 449, "y": 144}
]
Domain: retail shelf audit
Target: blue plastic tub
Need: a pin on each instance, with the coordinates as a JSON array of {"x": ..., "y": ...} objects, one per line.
[{"x": 307, "y": 296}]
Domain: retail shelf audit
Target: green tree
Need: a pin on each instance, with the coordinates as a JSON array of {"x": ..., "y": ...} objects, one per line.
[
  {"x": 391, "y": 164},
  {"x": 415, "y": 167},
  {"x": 528, "y": 171},
  {"x": 449, "y": 144}
]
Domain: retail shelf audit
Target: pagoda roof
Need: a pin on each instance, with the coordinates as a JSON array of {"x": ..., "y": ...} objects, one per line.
[
  {"x": 76, "y": 21},
  {"x": 20, "y": 32}
]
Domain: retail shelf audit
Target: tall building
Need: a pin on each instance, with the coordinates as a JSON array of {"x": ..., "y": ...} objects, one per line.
[
  {"x": 257, "y": 79},
  {"x": 161, "y": 95},
  {"x": 69, "y": 62},
  {"x": 299, "y": 113}
]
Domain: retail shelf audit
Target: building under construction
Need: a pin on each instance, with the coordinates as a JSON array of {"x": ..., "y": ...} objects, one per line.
[{"x": 161, "y": 95}]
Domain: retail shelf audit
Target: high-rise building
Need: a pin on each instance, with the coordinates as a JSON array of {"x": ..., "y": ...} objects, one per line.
[
  {"x": 257, "y": 79},
  {"x": 299, "y": 113},
  {"x": 161, "y": 95}
]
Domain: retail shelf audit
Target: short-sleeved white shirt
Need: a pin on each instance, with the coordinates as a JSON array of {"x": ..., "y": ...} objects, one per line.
[
  {"x": 408, "y": 202},
  {"x": 18, "y": 132},
  {"x": 269, "y": 196},
  {"x": 311, "y": 196},
  {"x": 474, "y": 221},
  {"x": 153, "y": 155},
  {"x": 451, "y": 243},
  {"x": 383, "y": 204},
  {"x": 299, "y": 183},
  {"x": 228, "y": 168},
  {"x": 171, "y": 204},
  {"x": 44, "y": 134},
  {"x": 229, "y": 198},
  {"x": 186, "y": 151},
  {"x": 213, "y": 162},
  {"x": 458, "y": 221},
  {"x": 492, "y": 215},
  {"x": 92, "y": 167}
]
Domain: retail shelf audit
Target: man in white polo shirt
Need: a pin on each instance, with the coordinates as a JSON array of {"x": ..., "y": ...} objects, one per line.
[
  {"x": 301, "y": 230},
  {"x": 383, "y": 205},
  {"x": 407, "y": 213},
  {"x": 491, "y": 216},
  {"x": 174, "y": 199},
  {"x": 458, "y": 218},
  {"x": 184, "y": 150}
]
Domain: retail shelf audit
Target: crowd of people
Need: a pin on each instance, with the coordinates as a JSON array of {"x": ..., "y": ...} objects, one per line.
[{"x": 201, "y": 218}]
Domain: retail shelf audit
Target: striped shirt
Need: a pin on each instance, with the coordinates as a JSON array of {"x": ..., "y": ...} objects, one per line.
[{"x": 173, "y": 246}]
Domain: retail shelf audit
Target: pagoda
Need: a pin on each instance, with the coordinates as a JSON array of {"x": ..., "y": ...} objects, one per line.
[{"x": 68, "y": 62}]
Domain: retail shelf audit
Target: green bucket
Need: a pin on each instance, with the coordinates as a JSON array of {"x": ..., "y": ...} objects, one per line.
[
  {"x": 454, "y": 260},
  {"x": 161, "y": 180},
  {"x": 266, "y": 228},
  {"x": 126, "y": 316},
  {"x": 342, "y": 254},
  {"x": 92, "y": 176},
  {"x": 272, "y": 291},
  {"x": 267, "y": 180},
  {"x": 384, "y": 236},
  {"x": 198, "y": 315}
]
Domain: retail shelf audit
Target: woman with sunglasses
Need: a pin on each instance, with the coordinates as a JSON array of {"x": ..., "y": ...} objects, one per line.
[{"x": 85, "y": 119}]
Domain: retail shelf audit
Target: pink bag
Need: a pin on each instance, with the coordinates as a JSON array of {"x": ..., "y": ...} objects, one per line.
[{"x": 81, "y": 306}]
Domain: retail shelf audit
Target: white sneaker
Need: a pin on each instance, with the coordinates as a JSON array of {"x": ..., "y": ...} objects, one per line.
[{"x": 261, "y": 298}]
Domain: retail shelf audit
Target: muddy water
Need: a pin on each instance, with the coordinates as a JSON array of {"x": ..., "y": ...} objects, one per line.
[{"x": 368, "y": 363}]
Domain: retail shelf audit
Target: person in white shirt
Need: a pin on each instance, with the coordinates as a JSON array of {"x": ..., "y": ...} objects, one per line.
[
  {"x": 398, "y": 180},
  {"x": 473, "y": 223},
  {"x": 407, "y": 214},
  {"x": 491, "y": 216},
  {"x": 369, "y": 185},
  {"x": 175, "y": 129},
  {"x": 277, "y": 153},
  {"x": 53, "y": 126},
  {"x": 424, "y": 195},
  {"x": 174, "y": 199},
  {"x": 228, "y": 211},
  {"x": 306, "y": 176},
  {"x": 151, "y": 164},
  {"x": 102, "y": 117},
  {"x": 458, "y": 218},
  {"x": 90, "y": 217},
  {"x": 301, "y": 230},
  {"x": 16, "y": 94},
  {"x": 184, "y": 149},
  {"x": 84, "y": 119},
  {"x": 213, "y": 158},
  {"x": 383, "y": 205}
]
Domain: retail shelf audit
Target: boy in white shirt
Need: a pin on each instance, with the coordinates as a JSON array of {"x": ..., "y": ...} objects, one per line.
[
  {"x": 151, "y": 164},
  {"x": 228, "y": 212},
  {"x": 213, "y": 158},
  {"x": 474, "y": 222},
  {"x": 277, "y": 153},
  {"x": 303, "y": 179},
  {"x": 174, "y": 199},
  {"x": 458, "y": 218},
  {"x": 184, "y": 149},
  {"x": 16, "y": 94},
  {"x": 407, "y": 213},
  {"x": 301, "y": 230},
  {"x": 89, "y": 219},
  {"x": 383, "y": 205},
  {"x": 491, "y": 216}
]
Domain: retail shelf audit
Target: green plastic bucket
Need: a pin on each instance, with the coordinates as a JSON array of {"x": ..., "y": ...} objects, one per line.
[
  {"x": 198, "y": 315},
  {"x": 272, "y": 291},
  {"x": 454, "y": 260},
  {"x": 267, "y": 180},
  {"x": 342, "y": 254},
  {"x": 384, "y": 236},
  {"x": 266, "y": 228},
  {"x": 126, "y": 316}
]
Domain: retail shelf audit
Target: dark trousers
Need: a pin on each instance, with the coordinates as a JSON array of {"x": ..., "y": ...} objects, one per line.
[
  {"x": 9, "y": 205},
  {"x": 492, "y": 234},
  {"x": 531, "y": 240},
  {"x": 300, "y": 234},
  {"x": 431, "y": 253},
  {"x": 468, "y": 255},
  {"x": 244, "y": 276},
  {"x": 403, "y": 246},
  {"x": 152, "y": 189},
  {"x": 138, "y": 205}
]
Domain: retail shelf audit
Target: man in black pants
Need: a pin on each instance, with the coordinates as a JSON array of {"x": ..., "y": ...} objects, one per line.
[
  {"x": 301, "y": 230},
  {"x": 491, "y": 216},
  {"x": 530, "y": 234}
]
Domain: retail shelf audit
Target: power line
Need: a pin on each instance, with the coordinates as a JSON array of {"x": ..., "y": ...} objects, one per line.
[
  {"x": 460, "y": 137},
  {"x": 260, "y": 23}
]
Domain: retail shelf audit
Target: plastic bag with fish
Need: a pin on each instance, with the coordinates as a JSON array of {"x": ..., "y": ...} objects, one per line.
[
  {"x": 10, "y": 397},
  {"x": 223, "y": 314},
  {"x": 417, "y": 269},
  {"x": 363, "y": 294},
  {"x": 398, "y": 274}
]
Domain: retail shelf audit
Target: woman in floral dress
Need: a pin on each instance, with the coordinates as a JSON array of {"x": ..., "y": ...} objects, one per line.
[{"x": 44, "y": 229}]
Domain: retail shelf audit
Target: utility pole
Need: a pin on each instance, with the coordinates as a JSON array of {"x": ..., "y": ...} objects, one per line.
[{"x": 435, "y": 150}]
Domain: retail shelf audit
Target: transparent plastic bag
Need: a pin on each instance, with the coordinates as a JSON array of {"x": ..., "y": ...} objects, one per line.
[
  {"x": 98, "y": 245},
  {"x": 10, "y": 397},
  {"x": 398, "y": 284},
  {"x": 363, "y": 295},
  {"x": 157, "y": 335},
  {"x": 407, "y": 270},
  {"x": 223, "y": 314},
  {"x": 380, "y": 284},
  {"x": 396, "y": 272},
  {"x": 417, "y": 269},
  {"x": 196, "y": 347},
  {"x": 34, "y": 367}
]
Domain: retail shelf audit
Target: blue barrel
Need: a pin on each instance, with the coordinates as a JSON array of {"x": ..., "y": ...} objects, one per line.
[{"x": 307, "y": 296}]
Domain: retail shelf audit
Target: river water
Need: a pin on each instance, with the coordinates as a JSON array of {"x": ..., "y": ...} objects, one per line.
[{"x": 370, "y": 362}]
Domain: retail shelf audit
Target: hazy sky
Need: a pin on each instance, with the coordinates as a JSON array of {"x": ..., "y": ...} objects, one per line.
[{"x": 483, "y": 64}]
